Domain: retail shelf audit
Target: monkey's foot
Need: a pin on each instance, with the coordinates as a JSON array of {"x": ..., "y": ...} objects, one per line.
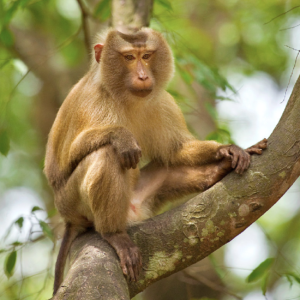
[
  {"x": 128, "y": 252},
  {"x": 258, "y": 148}
]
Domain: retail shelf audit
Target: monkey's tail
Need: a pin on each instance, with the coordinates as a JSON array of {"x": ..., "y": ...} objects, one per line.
[{"x": 69, "y": 236}]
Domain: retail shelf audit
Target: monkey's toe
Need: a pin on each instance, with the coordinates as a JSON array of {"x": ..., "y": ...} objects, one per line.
[{"x": 258, "y": 148}]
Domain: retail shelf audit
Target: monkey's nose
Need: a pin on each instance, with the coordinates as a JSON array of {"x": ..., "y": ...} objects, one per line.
[{"x": 143, "y": 76}]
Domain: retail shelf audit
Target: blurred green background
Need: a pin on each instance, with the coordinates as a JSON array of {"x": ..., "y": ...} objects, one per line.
[{"x": 234, "y": 73}]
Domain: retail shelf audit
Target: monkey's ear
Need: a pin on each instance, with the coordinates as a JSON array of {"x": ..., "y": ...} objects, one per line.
[{"x": 98, "y": 49}]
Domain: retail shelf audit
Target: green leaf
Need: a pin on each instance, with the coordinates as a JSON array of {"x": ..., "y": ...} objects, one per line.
[
  {"x": 260, "y": 271},
  {"x": 264, "y": 285},
  {"x": 16, "y": 244},
  {"x": 6, "y": 37},
  {"x": 9, "y": 13},
  {"x": 166, "y": 4},
  {"x": 46, "y": 229},
  {"x": 35, "y": 208},
  {"x": 103, "y": 10},
  {"x": 10, "y": 263},
  {"x": 293, "y": 275},
  {"x": 223, "y": 98},
  {"x": 289, "y": 280},
  {"x": 4, "y": 142},
  {"x": 20, "y": 222},
  {"x": 214, "y": 136}
]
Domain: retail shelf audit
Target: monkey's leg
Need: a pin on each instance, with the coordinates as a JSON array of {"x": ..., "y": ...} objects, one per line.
[
  {"x": 107, "y": 189},
  {"x": 158, "y": 184}
]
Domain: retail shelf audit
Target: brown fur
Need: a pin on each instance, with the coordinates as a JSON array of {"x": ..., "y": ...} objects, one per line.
[{"x": 116, "y": 112}]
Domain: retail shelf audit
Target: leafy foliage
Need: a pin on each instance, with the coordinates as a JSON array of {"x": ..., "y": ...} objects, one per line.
[
  {"x": 10, "y": 263},
  {"x": 4, "y": 142},
  {"x": 261, "y": 270},
  {"x": 103, "y": 10}
]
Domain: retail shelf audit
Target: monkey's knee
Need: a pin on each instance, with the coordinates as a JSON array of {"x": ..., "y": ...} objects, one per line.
[{"x": 107, "y": 190}]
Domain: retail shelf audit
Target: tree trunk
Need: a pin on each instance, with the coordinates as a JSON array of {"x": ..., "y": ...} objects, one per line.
[
  {"x": 130, "y": 15},
  {"x": 178, "y": 238}
]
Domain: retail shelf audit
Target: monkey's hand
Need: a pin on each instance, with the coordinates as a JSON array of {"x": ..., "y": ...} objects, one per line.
[
  {"x": 128, "y": 150},
  {"x": 240, "y": 159}
]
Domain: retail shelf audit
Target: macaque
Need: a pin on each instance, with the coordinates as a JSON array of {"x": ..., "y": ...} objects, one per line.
[{"x": 118, "y": 113}]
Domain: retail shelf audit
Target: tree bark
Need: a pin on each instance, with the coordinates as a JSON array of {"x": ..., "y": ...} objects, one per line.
[
  {"x": 130, "y": 15},
  {"x": 178, "y": 238}
]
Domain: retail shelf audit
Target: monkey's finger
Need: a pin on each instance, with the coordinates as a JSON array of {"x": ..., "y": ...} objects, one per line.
[
  {"x": 137, "y": 156},
  {"x": 257, "y": 148},
  {"x": 235, "y": 159},
  {"x": 132, "y": 161},
  {"x": 263, "y": 144},
  {"x": 246, "y": 163},
  {"x": 130, "y": 268},
  {"x": 249, "y": 162},
  {"x": 123, "y": 266},
  {"x": 223, "y": 152},
  {"x": 126, "y": 262},
  {"x": 126, "y": 160},
  {"x": 254, "y": 151},
  {"x": 138, "y": 264},
  {"x": 239, "y": 166},
  {"x": 140, "y": 153},
  {"x": 136, "y": 268},
  {"x": 123, "y": 160}
]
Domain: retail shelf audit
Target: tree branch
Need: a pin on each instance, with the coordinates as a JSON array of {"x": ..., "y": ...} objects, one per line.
[
  {"x": 85, "y": 27},
  {"x": 179, "y": 238}
]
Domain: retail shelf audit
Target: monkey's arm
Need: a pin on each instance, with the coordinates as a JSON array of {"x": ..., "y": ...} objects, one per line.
[
  {"x": 122, "y": 140},
  {"x": 159, "y": 184},
  {"x": 195, "y": 153}
]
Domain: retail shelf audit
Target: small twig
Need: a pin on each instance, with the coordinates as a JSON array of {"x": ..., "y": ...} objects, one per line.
[
  {"x": 289, "y": 27},
  {"x": 281, "y": 14},
  {"x": 293, "y": 298},
  {"x": 12, "y": 93},
  {"x": 85, "y": 26},
  {"x": 22, "y": 274},
  {"x": 292, "y": 70}
]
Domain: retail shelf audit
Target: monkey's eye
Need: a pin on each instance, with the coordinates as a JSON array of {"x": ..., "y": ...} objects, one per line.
[
  {"x": 129, "y": 57},
  {"x": 146, "y": 56}
]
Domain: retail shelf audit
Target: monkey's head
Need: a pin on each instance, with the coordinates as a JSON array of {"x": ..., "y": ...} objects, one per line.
[{"x": 136, "y": 64}]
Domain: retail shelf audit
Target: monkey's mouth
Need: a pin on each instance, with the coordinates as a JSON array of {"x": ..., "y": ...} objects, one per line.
[{"x": 141, "y": 93}]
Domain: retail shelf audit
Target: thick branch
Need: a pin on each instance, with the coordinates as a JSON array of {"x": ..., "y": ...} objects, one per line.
[
  {"x": 176, "y": 239},
  {"x": 129, "y": 15}
]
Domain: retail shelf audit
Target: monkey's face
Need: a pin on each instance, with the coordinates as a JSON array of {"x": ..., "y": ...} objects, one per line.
[
  {"x": 139, "y": 79},
  {"x": 135, "y": 64}
]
